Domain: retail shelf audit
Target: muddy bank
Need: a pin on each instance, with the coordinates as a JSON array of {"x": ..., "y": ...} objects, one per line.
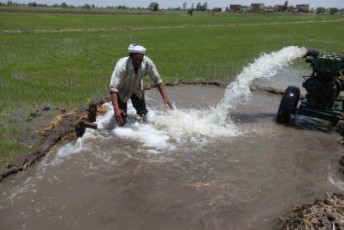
[
  {"x": 327, "y": 213},
  {"x": 65, "y": 126},
  {"x": 323, "y": 213}
]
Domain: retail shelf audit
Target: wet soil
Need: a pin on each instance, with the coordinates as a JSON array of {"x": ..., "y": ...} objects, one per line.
[
  {"x": 64, "y": 126},
  {"x": 326, "y": 213}
]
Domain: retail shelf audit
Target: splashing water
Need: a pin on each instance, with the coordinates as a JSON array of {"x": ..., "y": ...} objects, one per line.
[
  {"x": 166, "y": 129},
  {"x": 213, "y": 122},
  {"x": 266, "y": 66}
]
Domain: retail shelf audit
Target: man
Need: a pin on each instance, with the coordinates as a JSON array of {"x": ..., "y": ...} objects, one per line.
[{"x": 127, "y": 83}]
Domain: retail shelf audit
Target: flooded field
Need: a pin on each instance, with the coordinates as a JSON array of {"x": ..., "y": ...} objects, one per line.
[{"x": 218, "y": 161}]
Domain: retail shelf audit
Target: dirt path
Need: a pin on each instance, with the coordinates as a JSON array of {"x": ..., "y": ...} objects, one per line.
[{"x": 125, "y": 28}]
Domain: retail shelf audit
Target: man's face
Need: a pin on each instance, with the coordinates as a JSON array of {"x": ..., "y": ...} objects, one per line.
[{"x": 136, "y": 60}]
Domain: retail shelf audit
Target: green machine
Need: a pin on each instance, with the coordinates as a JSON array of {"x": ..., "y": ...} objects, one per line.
[{"x": 323, "y": 86}]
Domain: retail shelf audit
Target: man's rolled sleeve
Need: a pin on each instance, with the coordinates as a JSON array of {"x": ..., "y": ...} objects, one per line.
[
  {"x": 153, "y": 72},
  {"x": 116, "y": 76},
  {"x": 114, "y": 83}
]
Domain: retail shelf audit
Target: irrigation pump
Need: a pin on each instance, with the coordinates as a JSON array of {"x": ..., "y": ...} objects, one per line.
[{"x": 323, "y": 88}]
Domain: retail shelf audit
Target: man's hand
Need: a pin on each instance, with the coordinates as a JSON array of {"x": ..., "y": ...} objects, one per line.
[
  {"x": 120, "y": 116},
  {"x": 168, "y": 103},
  {"x": 162, "y": 91}
]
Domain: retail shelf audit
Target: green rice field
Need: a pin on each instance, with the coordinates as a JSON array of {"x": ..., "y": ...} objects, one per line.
[{"x": 63, "y": 60}]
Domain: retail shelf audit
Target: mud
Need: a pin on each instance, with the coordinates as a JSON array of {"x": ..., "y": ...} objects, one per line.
[
  {"x": 65, "y": 126},
  {"x": 327, "y": 213}
]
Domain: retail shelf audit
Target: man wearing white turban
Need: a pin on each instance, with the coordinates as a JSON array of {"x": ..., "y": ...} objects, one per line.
[{"x": 127, "y": 83}]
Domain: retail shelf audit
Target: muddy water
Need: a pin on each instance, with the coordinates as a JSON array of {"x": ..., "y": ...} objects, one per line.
[{"x": 205, "y": 165}]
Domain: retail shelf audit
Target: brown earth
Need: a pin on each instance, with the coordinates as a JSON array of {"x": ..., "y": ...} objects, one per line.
[
  {"x": 327, "y": 213},
  {"x": 65, "y": 126}
]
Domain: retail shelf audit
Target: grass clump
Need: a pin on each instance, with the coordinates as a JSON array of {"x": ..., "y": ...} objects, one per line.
[{"x": 327, "y": 213}]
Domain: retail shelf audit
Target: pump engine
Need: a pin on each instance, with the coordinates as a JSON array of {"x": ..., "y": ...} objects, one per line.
[
  {"x": 325, "y": 83},
  {"x": 323, "y": 87}
]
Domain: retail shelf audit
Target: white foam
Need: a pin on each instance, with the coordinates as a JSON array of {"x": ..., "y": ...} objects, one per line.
[
  {"x": 69, "y": 149},
  {"x": 147, "y": 134},
  {"x": 337, "y": 183},
  {"x": 192, "y": 125}
]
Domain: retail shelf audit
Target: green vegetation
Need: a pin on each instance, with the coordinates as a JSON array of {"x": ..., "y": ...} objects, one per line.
[
  {"x": 63, "y": 61},
  {"x": 135, "y": 19}
]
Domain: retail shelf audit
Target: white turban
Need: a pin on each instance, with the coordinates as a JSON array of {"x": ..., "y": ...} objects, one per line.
[{"x": 136, "y": 49}]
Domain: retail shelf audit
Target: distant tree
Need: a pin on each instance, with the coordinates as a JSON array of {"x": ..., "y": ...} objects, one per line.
[
  {"x": 32, "y": 4},
  {"x": 86, "y": 6},
  {"x": 285, "y": 6},
  {"x": 320, "y": 10},
  {"x": 205, "y": 6},
  {"x": 198, "y": 6},
  {"x": 217, "y": 9},
  {"x": 64, "y": 5},
  {"x": 121, "y": 7},
  {"x": 192, "y": 6},
  {"x": 201, "y": 7},
  {"x": 153, "y": 6},
  {"x": 333, "y": 10},
  {"x": 184, "y": 5}
]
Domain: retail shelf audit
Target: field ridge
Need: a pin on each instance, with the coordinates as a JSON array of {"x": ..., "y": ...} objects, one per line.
[{"x": 123, "y": 28}]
